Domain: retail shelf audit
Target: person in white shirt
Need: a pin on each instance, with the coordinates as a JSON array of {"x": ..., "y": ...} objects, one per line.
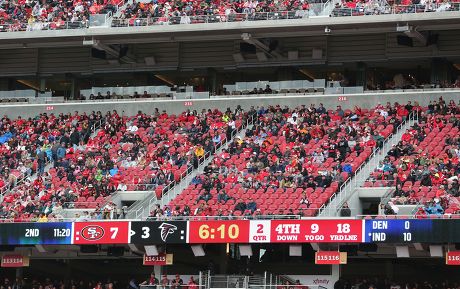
[
  {"x": 384, "y": 113},
  {"x": 122, "y": 187},
  {"x": 132, "y": 128}
]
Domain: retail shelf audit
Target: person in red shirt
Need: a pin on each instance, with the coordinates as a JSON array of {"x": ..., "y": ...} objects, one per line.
[
  {"x": 164, "y": 283},
  {"x": 402, "y": 112},
  {"x": 192, "y": 284},
  {"x": 406, "y": 136}
]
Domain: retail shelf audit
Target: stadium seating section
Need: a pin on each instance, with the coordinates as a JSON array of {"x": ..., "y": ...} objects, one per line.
[
  {"x": 290, "y": 162},
  {"x": 127, "y": 153},
  {"x": 424, "y": 165},
  {"x": 56, "y": 15}
]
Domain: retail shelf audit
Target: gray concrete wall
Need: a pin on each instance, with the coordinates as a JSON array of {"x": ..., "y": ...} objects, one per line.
[{"x": 129, "y": 107}]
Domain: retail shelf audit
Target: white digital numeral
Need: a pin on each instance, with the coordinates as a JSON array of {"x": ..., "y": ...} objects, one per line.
[
  {"x": 314, "y": 228},
  {"x": 407, "y": 237},
  {"x": 343, "y": 228},
  {"x": 407, "y": 225},
  {"x": 145, "y": 232},
  {"x": 114, "y": 231}
]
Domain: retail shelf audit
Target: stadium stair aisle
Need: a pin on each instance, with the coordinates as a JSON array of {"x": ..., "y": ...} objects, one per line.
[
  {"x": 141, "y": 209},
  {"x": 347, "y": 192}
]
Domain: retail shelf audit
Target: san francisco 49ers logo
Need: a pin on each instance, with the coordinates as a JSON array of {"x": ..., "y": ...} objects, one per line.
[{"x": 92, "y": 233}]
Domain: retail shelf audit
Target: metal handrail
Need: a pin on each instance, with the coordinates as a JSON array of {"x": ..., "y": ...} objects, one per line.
[
  {"x": 348, "y": 183},
  {"x": 215, "y": 18},
  {"x": 171, "y": 185},
  {"x": 186, "y": 175},
  {"x": 227, "y": 218},
  {"x": 395, "y": 9},
  {"x": 38, "y": 26},
  {"x": 389, "y": 217},
  {"x": 55, "y": 100},
  {"x": 234, "y": 17},
  {"x": 165, "y": 218}
]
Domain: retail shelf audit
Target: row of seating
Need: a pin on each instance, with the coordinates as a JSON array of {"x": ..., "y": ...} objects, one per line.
[
  {"x": 291, "y": 162},
  {"x": 141, "y": 152},
  {"x": 424, "y": 165}
]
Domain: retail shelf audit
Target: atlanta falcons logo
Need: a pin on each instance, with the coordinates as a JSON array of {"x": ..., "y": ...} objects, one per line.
[{"x": 166, "y": 230}]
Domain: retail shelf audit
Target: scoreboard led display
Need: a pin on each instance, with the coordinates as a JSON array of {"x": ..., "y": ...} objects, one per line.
[
  {"x": 316, "y": 231},
  {"x": 219, "y": 231},
  {"x": 35, "y": 233},
  {"x": 233, "y": 231},
  {"x": 412, "y": 231}
]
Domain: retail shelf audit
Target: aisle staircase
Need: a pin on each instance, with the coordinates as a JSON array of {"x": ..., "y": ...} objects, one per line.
[
  {"x": 141, "y": 208},
  {"x": 348, "y": 190}
]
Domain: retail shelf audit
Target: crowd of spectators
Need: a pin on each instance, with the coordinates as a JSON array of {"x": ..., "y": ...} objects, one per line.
[
  {"x": 179, "y": 282},
  {"x": 164, "y": 282},
  {"x": 161, "y": 12},
  {"x": 142, "y": 152},
  {"x": 408, "y": 81},
  {"x": 72, "y": 14},
  {"x": 50, "y": 15},
  {"x": 378, "y": 7},
  {"x": 424, "y": 166},
  {"x": 289, "y": 163},
  {"x": 25, "y": 144},
  {"x": 384, "y": 283}
]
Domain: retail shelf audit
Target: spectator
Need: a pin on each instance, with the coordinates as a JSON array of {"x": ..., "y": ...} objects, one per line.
[
  {"x": 252, "y": 206},
  {"x": 240, "y": 206},
  {"x": 223, "y": 197},
  {"x": 345, "y": 210},
  {"x": 192, "y": 284},
  {"x": 199, "y": 151},
  {"x": 152, "y": 280},
  {"x": 205, "y": 196},
  {"x": 164, "y": 283},
  {"x": 177, "y": 283}
]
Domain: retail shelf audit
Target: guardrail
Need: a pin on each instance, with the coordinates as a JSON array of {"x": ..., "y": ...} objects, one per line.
[
  {"x": 172, "y": 286},
  {"x": 391, "y": 217},
  {"x": 216, "y": 18},
  {"x": 231, "y": 218},
  {"x": 299, "y": 93},
  {"x": 380, "y": 183},
  {"x": 395, "y": 9},
  {"x": 171, "y": 218},
  {"x": 38, "y": 26},
  {"x": 234, "y": 17}
]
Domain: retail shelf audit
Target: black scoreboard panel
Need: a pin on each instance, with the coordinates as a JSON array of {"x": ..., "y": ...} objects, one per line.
[
  {"x": 154, "y": 232},
  {"x": 36, "y": 233},
  {"x": 180, "y": 232},
  {"x": 412, "y": 231}
]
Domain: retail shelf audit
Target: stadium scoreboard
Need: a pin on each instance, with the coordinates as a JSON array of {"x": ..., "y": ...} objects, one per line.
[
  {"x": 412, "y": 231},
  {"x": 35, "y": 233},
  {"x": 232, "y": 231}
]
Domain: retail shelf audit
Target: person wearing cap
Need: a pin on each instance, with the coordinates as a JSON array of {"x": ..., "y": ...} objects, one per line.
[
  {"x": 252, "y": 205},
  {"x": 199, "y": 151},
  {"x": 192, "y": 284},
  {"x": 177, "y": 283},
  {"x": 164, "y": 283},
  {"x": 151, "y": 281}
]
